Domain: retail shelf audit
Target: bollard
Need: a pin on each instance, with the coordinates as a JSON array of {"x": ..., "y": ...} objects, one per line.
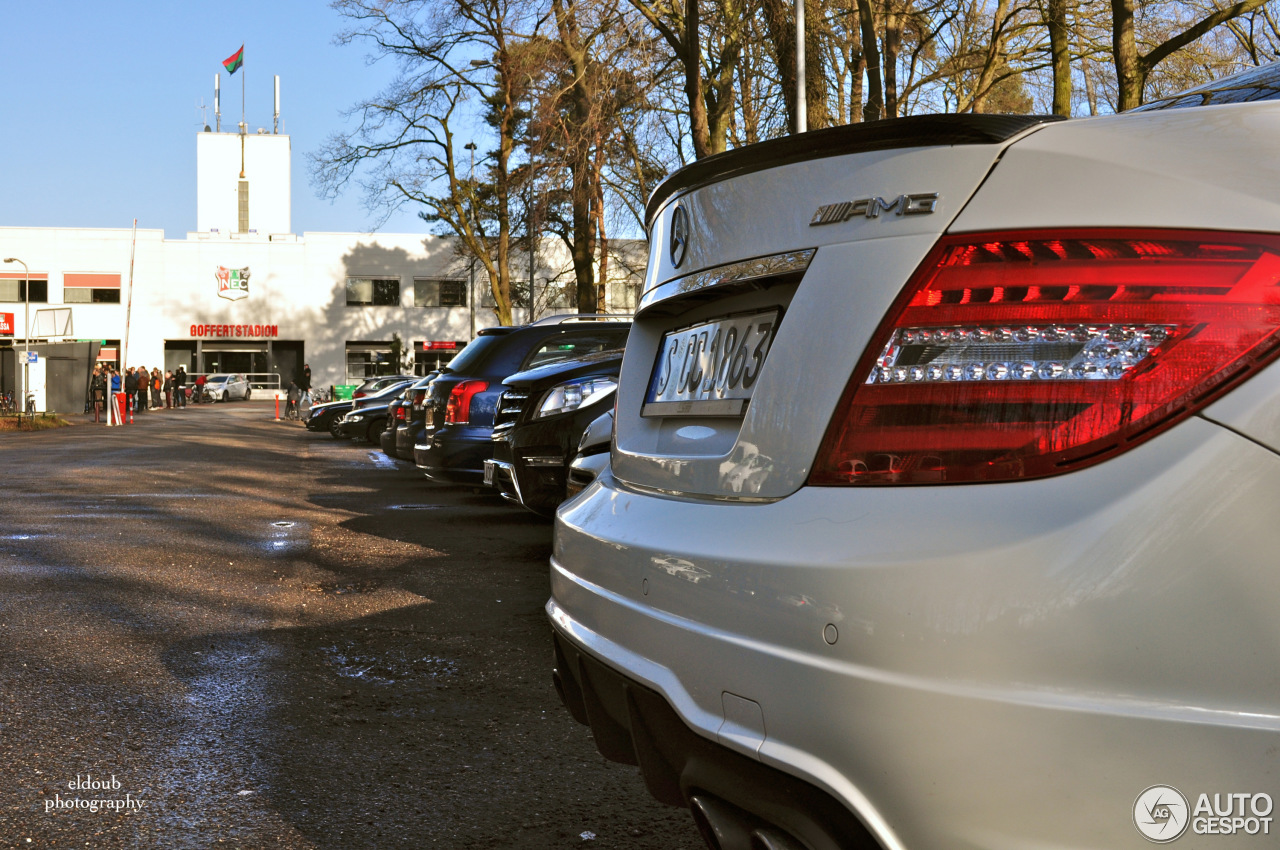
[{"x": 277, "y": 407}]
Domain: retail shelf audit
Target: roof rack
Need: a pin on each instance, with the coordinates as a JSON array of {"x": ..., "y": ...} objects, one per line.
[{"x": 566, "y": 318}]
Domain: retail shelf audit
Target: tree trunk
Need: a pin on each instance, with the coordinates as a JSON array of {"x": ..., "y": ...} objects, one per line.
[
  {"x": 817, "y": 95},
  {"x": 780, "y": 25},
  {"x": 875, "y": 90},
  {"x": 1060, "y": 47},
  {"x": 692, "y": 61},
  {"x": 1129, "y": 77},
  {"x": 995, "y": 59},
  {"x": 892, "y": 44}
]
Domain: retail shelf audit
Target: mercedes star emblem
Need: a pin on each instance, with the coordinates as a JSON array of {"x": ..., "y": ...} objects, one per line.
[{"x": 679, "y": 236}]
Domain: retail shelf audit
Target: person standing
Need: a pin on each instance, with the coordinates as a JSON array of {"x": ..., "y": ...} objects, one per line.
[
  {"x": 168, "y": 390},
  {"x": 130, "y": 388},
  {"x": 200, "y": 382},
  {"x": 304, "y": 383},
  {"x": 180, "y": 387},
  {"x": 97, "y": 393},
  {"x": 157, "y": 383},
  {"x": 140, "y": 381}
]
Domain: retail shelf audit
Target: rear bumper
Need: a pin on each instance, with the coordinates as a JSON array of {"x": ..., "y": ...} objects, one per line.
[
  {"x": 388, "y": 442},
  {"x": 731, "y": 794},
  {"x": 944, "y": 660},
  {"x": 452, "y": 455}
]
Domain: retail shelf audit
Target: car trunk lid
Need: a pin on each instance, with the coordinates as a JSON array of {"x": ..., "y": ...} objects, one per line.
[{"x": 769, "y": 270}]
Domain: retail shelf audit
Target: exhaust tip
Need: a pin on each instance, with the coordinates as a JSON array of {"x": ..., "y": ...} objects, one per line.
[
  {"x": 721, "y": 825},
  {"x": 771, "y": 839}
]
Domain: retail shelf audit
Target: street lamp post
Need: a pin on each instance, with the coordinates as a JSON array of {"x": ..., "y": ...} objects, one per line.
[
  {"x": 471, "y": 287},
  {"x": 26, "y": 328},
  {"x": 528, "y": 208}
]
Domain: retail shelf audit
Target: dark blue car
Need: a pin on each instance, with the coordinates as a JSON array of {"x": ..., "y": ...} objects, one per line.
[{"x": 460, "y": 403}]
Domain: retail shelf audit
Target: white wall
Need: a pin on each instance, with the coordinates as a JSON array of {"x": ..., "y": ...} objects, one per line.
[{"x": 295, "y": 283}]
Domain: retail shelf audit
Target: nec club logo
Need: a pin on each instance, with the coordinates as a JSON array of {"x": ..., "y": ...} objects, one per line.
[{"x": 233, "y": 284}]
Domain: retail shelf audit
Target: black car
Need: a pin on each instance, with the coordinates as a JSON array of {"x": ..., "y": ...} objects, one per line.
[
  {"x": 367, "y": 422},
  {"x": 404, "y": 425},
  {"x": 329, "y": 416},
  {"x": 539, "y": 423},
  {"x": 460, "y": 403}
]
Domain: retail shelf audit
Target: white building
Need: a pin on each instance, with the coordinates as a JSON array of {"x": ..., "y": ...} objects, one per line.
[{"x": 243, "y": 293}]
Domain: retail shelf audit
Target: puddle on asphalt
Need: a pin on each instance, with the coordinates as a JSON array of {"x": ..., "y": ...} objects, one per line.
[
  {"x": 382, "y": 460},
  {"x": 284, "y": 537},
  {"x": 228, "y": 702},
  {"x": 388, "y": 667}
]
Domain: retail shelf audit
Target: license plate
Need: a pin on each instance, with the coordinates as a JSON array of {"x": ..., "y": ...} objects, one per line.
[
  {"x": 488, "y": 472},
  {"x": 710, "y": 369}
]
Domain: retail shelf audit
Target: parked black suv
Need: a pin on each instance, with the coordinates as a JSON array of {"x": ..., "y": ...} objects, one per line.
[
  {"x": 539, "y": 423},
  {"x": 460, "y": 402}
]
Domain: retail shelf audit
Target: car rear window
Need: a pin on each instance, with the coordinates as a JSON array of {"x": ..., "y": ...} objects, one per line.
[
  {"x": 566, "y": 346},
  {"x": 1252, "y": 85},
  {"x": 470, "y": 359}
]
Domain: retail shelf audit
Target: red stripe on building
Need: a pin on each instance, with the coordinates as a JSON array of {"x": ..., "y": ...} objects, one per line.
[{"x": 96, "y": 281}]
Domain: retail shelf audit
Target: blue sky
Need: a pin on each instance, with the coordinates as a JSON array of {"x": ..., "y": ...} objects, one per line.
[{"x": 99, "y": 114}]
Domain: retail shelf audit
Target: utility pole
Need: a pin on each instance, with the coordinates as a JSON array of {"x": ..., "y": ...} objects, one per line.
[
  {"x": 802, "y": 103},
  {"x": 26, "y": 335}
]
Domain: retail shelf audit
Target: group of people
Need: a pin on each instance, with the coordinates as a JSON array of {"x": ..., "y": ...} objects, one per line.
[
  {"x": 150, "y": 390},
  {"x": 146, "y": 390}
]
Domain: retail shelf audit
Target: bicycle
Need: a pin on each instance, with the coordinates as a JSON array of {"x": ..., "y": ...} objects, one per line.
[{"x": 7, "y": 407}]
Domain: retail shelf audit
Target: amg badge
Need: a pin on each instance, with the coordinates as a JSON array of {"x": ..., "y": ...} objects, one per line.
[{"x": 920, "y": 204}]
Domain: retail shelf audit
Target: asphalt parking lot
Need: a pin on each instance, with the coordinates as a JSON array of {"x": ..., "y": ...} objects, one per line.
[{"x": 256, "y": 636}]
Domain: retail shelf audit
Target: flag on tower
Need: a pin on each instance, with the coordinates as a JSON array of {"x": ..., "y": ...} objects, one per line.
[{"x": 233, "y": 63}]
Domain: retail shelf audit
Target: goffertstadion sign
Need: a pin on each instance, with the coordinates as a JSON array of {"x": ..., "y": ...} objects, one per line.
[{"x": 233, "y": 284}]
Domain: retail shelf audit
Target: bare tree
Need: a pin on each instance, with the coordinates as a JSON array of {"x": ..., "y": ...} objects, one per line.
[
  {"x": 708, "y": 75},
  {"x": 1133, "y": 68},
  {"x": 405, "y": 148}
]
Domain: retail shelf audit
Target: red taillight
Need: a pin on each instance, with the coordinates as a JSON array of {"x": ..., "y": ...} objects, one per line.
[
  {"x": 1020, "y": 355},
  {"x": 419, "y": 397},
  {"x": 458, "y": 409},
  {"x": 358, "y": 394},
  {"x": 402, "y": 413}
]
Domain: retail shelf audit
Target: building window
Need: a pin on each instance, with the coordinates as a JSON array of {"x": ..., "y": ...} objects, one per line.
[
  {"x": 519, "y": 293},
  {"x": 624, "y": 295},
  {"x": 373, "y": 291},
  {"x": 16, "y": 290},
  {"x": 91, "y": 288},
  {"x": 369, "y": 360},
  {"x": 89, "y": 295},
  {"x": 433, "y": 292}
]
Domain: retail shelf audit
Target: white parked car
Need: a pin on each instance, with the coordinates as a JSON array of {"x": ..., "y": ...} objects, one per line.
[
  {"x": 226, "y": 387},
  {"x": 941, "y": 510}
]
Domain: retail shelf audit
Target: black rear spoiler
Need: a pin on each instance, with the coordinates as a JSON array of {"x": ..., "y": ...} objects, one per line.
[{"x": 913, "y": 132}]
